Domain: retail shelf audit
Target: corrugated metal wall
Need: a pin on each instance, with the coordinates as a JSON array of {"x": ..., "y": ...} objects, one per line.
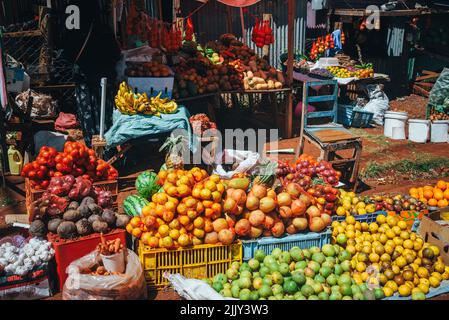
[{"x": 211, "y": 21}]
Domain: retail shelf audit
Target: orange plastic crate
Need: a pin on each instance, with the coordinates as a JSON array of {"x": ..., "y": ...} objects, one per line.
[{"x": 202, "y": 261}]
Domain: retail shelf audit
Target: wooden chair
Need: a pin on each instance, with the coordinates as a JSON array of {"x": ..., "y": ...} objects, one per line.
[{"x": 329, "y": 137}]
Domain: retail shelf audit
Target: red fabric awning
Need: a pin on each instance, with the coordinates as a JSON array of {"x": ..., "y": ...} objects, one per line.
[{"x": 238, "y": 3}]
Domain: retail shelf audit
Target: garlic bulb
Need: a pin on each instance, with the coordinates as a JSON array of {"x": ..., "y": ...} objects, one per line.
[{"x": 21, "y": 261}]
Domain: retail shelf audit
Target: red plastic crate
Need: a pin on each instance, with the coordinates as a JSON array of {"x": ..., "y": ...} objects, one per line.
[{"x": 67, "y": 251}]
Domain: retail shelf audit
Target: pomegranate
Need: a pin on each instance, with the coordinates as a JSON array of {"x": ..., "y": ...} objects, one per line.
[
  {"x": 255, "y": 232},
  {"x": 230, "y": 220},
  {"x": 298, "y": 207},
  {"x": 294, "y": 189},
  {"x": 256, "y": 218},
  {"x": 229, "y": 206},
  {"x": 313, "y": 211},
  {"x": 267, "y": 204},
  {"x": 285, "y": 212},
  {"x": 306, "y": 199},
  {"x": 220, "y": 224},
  {"x": 317, "y": 224},
  {"x": 291, "y": 229},
  {"x": 259, "y": 191},
  {"x": 327, "y": 219},
  {"x": 242, "y": 227},
  {"x": 226, "y": 236},
  {"x": 300, "y": 223},
  {"x": 278, "y": 229},
  {"x": 239, "y": 196},
  {"x": 284, "y": 199},
  {"x": 211, "y": 238},
  {"x": 252, "y": 202},
  {"x": 267, "y": 233},
  {"x": 269, "y": 221}
]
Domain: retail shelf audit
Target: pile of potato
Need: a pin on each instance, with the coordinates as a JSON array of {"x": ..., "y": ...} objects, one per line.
[{"x": 253, "y": 82}]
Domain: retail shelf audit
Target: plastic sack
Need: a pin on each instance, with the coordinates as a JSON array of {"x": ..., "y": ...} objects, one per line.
[
  {"x": 440, "y": 91},
  {"x": 378, "y": 103},
  {"x": 128, "y": 286},
  {"x": 66, "y": 121},
  {"x": 193, "y": 289},
  {"x": 246, "y": 160}
]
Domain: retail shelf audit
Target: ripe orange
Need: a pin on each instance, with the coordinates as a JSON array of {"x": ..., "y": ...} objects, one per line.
[
  {"x": 446, "y": 194},
  {"x": 432, "y": 202},
  {"x": 146, "y": 211},
  {"x": 137, "y": 232},
  {"x": 443, "y": 203},
  {"x": 441, "y": 185},
  {"x": 135, "y": 222},
  {"x": 438, "y": 194},
  {"x": 428, "y": 194},
  {"x": 413, "y": 191},
  {"x": 428, "y": 188}
]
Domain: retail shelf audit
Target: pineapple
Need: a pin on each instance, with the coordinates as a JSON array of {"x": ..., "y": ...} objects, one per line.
[{"x": 174, "y": 146}]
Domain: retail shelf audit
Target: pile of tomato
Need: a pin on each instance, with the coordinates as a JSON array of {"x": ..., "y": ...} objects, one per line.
[{"x": 76, "y": 160}]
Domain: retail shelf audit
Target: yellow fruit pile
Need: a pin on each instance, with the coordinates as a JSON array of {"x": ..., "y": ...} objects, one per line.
[
  {"x": 128, "y": 102},
  {"x": 436, "y": 196},
  {"x": 350, "y": 204},
  {"x": 364, "y": 73},
  {"x": 386, "y": 253},
  {"x": 340, "y": 72},
  {"x": 187, "y": 211}
]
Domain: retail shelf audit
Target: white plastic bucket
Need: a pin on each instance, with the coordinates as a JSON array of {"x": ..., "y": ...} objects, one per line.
[
  {"x": 115, "y": 262},
  {"x": 395, "y": 120},
  {"x": 438, "y": 131},
  {"x": 418, "y": 130},
  {"x": 398, "y": 133}
]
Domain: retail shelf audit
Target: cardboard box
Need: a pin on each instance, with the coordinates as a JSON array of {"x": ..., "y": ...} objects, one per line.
[{"x": 437, "y": 235}]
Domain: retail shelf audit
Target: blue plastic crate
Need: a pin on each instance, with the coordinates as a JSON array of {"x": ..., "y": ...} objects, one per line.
[
  {"x": 302, "y": 240},
  {"x": 368, "y": 218},
  {"x": 371, "y": 217},
  {"x": 347, "y": 116}
]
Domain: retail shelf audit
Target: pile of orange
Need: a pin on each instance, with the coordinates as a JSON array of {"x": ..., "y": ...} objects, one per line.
[{"x": 435, "y": 196}]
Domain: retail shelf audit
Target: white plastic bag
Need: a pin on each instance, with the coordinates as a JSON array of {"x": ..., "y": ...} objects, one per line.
[
  {"x": 378, "y": 103},
  {"x": 128, "y": 286},
  {"x": 193, "y": 289},
  {"x": 246, "y": 160}
]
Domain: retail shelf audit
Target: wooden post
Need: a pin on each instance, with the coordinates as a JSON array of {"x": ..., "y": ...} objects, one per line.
[
  {"x": 290, "y": 37},
  {"x": 266, "y": 48},
  {"x": 228, "y": 19},
  {"x": 242, "y": 22}
]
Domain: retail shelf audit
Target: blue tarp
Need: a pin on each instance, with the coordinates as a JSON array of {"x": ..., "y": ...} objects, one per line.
[{"x": 132, "y": 127}]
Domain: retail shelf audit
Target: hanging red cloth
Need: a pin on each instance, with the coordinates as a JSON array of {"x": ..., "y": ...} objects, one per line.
[{"x": 189, "y": 29}]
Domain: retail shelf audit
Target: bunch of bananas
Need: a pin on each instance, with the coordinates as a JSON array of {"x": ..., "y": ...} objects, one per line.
[{"x": 128, "y": 102}]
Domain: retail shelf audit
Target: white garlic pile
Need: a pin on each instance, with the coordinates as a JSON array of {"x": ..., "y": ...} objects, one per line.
[{"x": 22, "y": 260}]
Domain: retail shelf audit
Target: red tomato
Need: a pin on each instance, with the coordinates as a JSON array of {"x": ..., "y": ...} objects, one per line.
[
  {"x": 41, "y": 161},
  {"x": 58, "y": 174},
  {"x": 32, "y": 174},
  {"x": 44, "y": 149},
  {"x": 35, "y": 165},
  {"x": 51, "y": 162},
  {"x": 59, "y": 157},
  {"x": 45, "y": 154},
  {"x": 91, "y": 152},
  {"x": 83, "y": 153},
  {"x": 52, "y": 151},
  {"x": 59, "y": 167},
  {"x": 44, "y": 184},
  {"x": 74, "y": 153},
  {"x": 51, "y": 173},
  {"x": 67, "y": 160},
  {"x": 40, "y": 174}
]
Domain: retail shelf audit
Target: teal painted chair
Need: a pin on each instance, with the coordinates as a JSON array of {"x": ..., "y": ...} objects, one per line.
[{"x": 329, "y": 136}]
